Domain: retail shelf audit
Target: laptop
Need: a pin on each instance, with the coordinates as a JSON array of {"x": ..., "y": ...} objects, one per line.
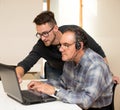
[{"x": 12, "y": 88}]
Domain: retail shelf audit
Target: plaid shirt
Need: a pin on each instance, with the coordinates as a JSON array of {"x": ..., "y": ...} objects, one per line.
[{"x": 88, "y": 84}]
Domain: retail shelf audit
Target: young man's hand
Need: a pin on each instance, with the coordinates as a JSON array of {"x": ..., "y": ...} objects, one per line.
[{"x": 20, "y": 73}]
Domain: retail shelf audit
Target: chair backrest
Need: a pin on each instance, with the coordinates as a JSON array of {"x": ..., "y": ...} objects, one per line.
[{"x": 112, "y": 104}]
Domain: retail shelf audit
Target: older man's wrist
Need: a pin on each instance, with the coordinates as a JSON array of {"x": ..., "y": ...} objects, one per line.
[{"x": 56, "y": 91}]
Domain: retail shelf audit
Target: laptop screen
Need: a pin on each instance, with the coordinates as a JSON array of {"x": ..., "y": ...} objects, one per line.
[{"x": 10, "y": 81}]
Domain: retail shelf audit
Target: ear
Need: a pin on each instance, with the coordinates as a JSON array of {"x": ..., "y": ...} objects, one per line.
[
  {"x": 77, "y": 45},
  {"x": 55, "y": 28},
  {"x": 82, "y": 45}
]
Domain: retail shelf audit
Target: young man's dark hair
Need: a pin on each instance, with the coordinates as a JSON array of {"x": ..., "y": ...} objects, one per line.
[{"x": 45, "y": 17}]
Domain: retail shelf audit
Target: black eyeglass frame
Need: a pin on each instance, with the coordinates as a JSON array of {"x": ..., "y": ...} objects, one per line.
[{"x": 45, "y": 34}]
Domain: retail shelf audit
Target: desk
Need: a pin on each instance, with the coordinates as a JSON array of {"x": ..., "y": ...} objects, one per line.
[{"x": 7, "y": 103}]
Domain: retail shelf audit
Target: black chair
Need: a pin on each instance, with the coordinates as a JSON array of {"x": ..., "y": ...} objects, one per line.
[{"x": 112, "y": 104}]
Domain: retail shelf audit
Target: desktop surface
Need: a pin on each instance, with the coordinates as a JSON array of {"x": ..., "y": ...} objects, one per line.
[{"x": 7, "y": 103}]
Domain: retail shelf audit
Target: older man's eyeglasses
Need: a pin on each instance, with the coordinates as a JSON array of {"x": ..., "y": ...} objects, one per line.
[
  {"x": 66, "y": 45},
  {"x": 45, "y": 34}
]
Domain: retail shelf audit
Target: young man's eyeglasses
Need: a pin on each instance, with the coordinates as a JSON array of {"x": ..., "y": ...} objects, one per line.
[{"x": 45, "y": 34}]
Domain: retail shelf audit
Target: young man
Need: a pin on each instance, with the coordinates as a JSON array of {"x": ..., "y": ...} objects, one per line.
[
  {"x": 47, "y": 47},
  {"x": 86, "y": 79}
]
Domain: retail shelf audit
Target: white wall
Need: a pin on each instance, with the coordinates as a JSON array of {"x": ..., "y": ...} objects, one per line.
[
  {"x": 101, "y": 19},
  {"x": 17, "y": 30},
  {"x": 66, "y": 11}
]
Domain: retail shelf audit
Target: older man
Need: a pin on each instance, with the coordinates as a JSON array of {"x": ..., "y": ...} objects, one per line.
[{"x": 86, "y": 78}]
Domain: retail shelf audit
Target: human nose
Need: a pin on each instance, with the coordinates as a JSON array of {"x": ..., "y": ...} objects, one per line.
[
  {"x": 61, "y": 48},
  {"x": 43, "y": 38}
]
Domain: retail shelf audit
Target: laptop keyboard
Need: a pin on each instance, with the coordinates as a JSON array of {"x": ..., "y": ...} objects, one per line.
[{"x": 32, "y": 96}]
